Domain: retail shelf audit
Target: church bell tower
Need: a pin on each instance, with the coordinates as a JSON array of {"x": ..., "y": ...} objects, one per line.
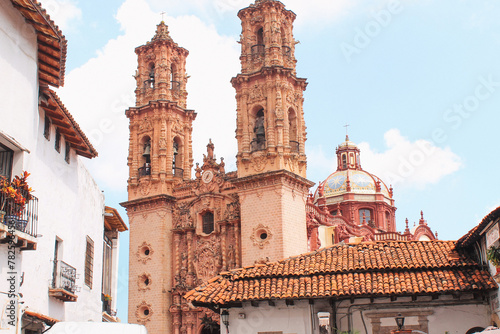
[
  {"x": 271, "y": 135},
  {"x": 160, "y": 157}
]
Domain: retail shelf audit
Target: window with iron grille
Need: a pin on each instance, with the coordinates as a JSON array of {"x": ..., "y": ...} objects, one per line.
[
  {"x": 46, "y": 128},
  {"x": 208, "y": 222},
  {"x": 89, "y": 262},
  {"x": 66, "y": 152},
  {"x": 106, "y": 266},
  {"x": 57, "y": 144},
  {"x": 6, "y": 156}
]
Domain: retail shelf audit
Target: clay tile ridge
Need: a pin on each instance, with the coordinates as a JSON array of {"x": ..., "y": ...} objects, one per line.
[
  {"x": 45, "y": 20},
  {"x": 92, "y": 151},
  {"x": 473, "y": 235}
]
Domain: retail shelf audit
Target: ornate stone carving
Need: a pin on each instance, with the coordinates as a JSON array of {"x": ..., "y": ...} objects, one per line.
[
  {"x": 259, "y": 161},
  {"x": 182, "y": 216},
  {"x": 144, "y": 252},
  {"x": 256, "y": 94},
  {"x": 208, "y": 258},
  {"x": 145, "y": 125},
  {"x": 144, "y": 281},
  {"x": 261, "y": 235},
  {"x": 144, "y": 186},
  {"x": 143, "y": 313}
]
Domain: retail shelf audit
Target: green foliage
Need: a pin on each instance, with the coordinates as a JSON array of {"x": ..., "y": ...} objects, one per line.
[{"x": 493, "y": 255}]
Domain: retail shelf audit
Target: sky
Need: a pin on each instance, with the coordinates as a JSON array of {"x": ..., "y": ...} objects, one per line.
[{"x": 418, "y": 82}]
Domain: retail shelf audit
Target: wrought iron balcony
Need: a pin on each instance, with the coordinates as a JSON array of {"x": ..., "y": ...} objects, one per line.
[
  {"x": 258, "y": 50},
  {"x": 106, "y": 307},
  {"x": 257, "y": 145},
  {"x": 63, "y": 282},
  {"x": 287, "y": 51},
  {"x": 145, "y": 170},
  {"x": 294, "y": 146},
  {"x": 20, "y": 225},
  {"x": 178, "y": 172},
  {"x": 176, "y": 86}
]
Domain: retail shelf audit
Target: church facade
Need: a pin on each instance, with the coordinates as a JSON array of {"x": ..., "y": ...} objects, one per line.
[{"x": 185, "y": 230}]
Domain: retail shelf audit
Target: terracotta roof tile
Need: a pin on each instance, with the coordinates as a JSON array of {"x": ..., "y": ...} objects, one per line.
[
  {"x": 473, "y": 235},
  {"x": 376, "y": 269}
]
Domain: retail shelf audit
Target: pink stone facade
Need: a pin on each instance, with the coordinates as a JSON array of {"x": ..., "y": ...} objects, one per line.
[{"x": 185, "y": 230}]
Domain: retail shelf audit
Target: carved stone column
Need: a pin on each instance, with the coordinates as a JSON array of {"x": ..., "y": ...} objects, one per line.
[{"x": 223, "y": 231}]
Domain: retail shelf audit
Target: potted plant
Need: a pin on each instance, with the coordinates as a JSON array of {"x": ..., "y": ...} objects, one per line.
[
  {"x": 14, "y": 195},
  {"x": 493, "y": 255}
]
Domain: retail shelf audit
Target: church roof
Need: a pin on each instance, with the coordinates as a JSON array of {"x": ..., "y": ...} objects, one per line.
[
  {"x": 376, "y": 269},
  {"x": 361, "y": 182},
  {"x": 349, "y": 176}
]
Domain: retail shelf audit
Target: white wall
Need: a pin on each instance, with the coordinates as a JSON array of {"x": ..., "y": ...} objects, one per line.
[
  {"x": 302, "y": 318},
  {"x": 70, "y": 203},
  {"x": 18, "y": 79},
  {"x": 288, "y": 319}
]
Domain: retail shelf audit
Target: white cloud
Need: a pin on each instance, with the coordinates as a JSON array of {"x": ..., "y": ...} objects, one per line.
[
  {"x": 409, "y": 164},
  {"x": 99, "y": 92},
  {"x": 63, "y": 12}
]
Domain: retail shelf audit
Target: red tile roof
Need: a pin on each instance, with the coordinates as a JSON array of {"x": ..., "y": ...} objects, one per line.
[
  {"x": 60, "y": 117},
  {"x": 365, "y": 270},
  {"x": 473, "y": 235},
  {"x": 52, "y": 44}
]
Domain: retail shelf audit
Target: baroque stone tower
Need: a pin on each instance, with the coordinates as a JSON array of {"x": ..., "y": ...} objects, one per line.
[
  {"x": 160, "y": 157},
  {"x": 271, "y": 134}
]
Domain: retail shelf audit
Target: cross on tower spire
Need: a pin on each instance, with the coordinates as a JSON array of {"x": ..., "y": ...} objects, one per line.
[
  {"x": 162, "y": 14},
  {"x": 346, "y": 135}
]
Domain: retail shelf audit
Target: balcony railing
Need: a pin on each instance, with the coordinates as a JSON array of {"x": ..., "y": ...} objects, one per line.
[
  {"x": 178, "y": 172},
  {"x": 143, "y": 171},
  {"x": 258, "y": 50},
  {"x": 287, "y": 51},
  {"x": 256, "y": 145},
  {"x": 106, "y": 307},
  {"x": 176, "y": 86},
  {"x": 294, "y": 146},
  {"x": 63, "y": 282},
  {"x": 26, "y": 220}
]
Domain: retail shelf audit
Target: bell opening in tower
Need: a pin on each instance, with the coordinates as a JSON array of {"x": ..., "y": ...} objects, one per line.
[
  {"x": 150, "y": 82},
  {"x": 174, "y": 82},
  {"x": 259, "y": 140},
  {"x": 259, "y": 48},
  {"x": 145, "y": 168},
  {"x": 177, "y": 158},
  {"x": 292, "y": 131}
]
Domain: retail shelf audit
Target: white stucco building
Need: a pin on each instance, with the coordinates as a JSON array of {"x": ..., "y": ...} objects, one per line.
[{"x": 65, "y": 238}]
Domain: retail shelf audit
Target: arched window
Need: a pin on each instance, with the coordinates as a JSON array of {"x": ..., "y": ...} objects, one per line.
[
  {"x": 260, "y": 36},
  {"x": 259, "y": 141},
  {"x": 145, "y": 151},
  {"x": 344, "y": 161},
  {"x": 292, "y": 130},
  {"x": 150, "y": 82},
  {"x": 365, "y": 216},
  {"x": 174, "y": 80},
  {"x": 177, "y": 158},
  {"x": 258, "y": 49},
  {"x": 207, "y": 220}
]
